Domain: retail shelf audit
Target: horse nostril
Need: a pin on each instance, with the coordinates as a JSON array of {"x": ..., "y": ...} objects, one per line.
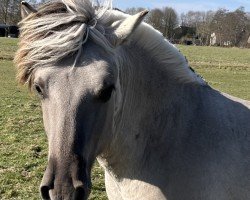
[
  {"x": 79, "y": 193},
  {"x": 47, "y": 181},
  {"x": 45, "y": 192}
]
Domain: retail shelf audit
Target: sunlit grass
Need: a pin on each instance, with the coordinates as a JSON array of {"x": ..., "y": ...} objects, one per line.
[{"x": 226, "y": 69}]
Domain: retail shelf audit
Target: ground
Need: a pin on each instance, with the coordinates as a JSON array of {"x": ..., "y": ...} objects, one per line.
[{"x": 23, "y": 146}]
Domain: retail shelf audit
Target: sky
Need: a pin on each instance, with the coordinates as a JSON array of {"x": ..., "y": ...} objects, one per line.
[{"x": 184, "y": 5}]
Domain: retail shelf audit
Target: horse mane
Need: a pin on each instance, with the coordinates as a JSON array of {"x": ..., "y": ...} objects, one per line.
[
  {"x": 60, "y": 29},
  {"x": 164, "y": 52}
]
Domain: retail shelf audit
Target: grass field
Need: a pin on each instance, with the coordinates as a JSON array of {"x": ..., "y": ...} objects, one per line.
[{"x": 23, "y": 146}]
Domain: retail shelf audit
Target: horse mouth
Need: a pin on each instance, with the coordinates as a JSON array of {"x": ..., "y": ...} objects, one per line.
[
  {"x": 65, "y": 182},
  {"x": 62, "y": 192},
  {"x": 65, "y": 191}
]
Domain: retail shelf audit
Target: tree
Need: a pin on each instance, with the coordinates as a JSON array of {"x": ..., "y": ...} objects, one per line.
[
  {"x": 203, "y": 29},
  {"x": 156, "y": 19},
  {"x": 170, "y": 21},
  {"x": 5, "y": 10},
  {"x": 10, "y": 11},
  {"x": 192, "y": 18},
  {"x": 217, "y": 25},
  {"x": 238, "y": 25},
  {"x": 164, "y": 20},
  {"x": 230, "y": 27}
]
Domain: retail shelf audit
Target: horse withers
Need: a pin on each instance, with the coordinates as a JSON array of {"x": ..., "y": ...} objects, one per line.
[{"x": 112, "y": 88}]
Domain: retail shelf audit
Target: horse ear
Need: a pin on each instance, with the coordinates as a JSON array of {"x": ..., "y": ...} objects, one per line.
[
  {"x": 123, "y": 29},
  {"x": 26, "y": 9}
]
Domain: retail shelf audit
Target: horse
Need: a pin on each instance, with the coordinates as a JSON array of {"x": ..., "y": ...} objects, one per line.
[{"x": 112, "y": 88}]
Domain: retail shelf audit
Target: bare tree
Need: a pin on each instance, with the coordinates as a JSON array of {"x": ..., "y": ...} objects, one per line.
[
  {"x": 10, "y": 11},
  {"x": 170, "y": 21},
  {"x": 4, "y": 10},
  {"x": 203, "y": 29},
  {"x": 192, "y": 18},
  {"x": 156, "y": 19},
  {"x": 230, "y": 27},
  {"x": 238, "y": 25},
  {"x": 217, "y": 25},
  {"x": 164, "y": 20}
]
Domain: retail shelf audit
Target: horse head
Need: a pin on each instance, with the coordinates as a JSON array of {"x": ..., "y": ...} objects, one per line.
[{"x": 76, "y": 79}]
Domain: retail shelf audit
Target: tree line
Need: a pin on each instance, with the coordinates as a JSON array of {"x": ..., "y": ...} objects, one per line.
[{"x": 229, "y": 27}]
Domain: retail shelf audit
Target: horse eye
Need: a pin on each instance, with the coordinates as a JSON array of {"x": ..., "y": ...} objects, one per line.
[
  {"x": 38, "y": 90},
  {"x": 105, "y": 94}
]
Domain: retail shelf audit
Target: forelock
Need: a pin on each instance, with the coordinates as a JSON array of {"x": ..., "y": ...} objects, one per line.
[{"x": 57, "y": 30}]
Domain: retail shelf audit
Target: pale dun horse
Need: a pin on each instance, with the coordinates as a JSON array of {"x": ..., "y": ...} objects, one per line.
[{"x": 112, "y": 88}]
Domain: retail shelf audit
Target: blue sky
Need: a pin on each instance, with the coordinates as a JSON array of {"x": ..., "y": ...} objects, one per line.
[{"x": 184, "y": 5}]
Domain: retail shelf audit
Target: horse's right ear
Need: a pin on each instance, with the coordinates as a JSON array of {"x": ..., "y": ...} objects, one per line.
[
  {"x": 124, "y": 28},
  {"x": 26, "y": 9}
]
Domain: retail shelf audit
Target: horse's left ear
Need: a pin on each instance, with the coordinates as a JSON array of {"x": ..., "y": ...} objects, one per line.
[
  {"x": 123, "y": 29},
  {"x": 26, "y": 9}
]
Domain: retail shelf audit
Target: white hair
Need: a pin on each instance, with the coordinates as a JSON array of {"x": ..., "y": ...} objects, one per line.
[{"x": 57, "y": 30}]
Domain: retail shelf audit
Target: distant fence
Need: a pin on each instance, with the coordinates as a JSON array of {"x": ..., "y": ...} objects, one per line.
[{"x": 9, "y": 31}]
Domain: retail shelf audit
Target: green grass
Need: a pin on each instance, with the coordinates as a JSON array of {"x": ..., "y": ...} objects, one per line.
[
  {"x": 23, "y": 145},
  {"x": 226, "y": 69},
  {"x": 216, "y": 56}
]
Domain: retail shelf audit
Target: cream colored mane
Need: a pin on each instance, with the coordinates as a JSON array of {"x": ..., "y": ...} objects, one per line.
[
  {"x": 57, "y": 30},
  {"x": 60, "y": 29}
]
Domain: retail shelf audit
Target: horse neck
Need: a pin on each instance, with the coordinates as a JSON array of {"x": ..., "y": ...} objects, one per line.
[
  {"x": 154, "y": 68},
  {"x": 152, "y": 75},
  {"x": 164, "y": 54},
  {"x": 148, "y": 89}
]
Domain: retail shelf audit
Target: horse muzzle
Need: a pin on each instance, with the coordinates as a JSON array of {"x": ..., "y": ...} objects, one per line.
[{"x": 65, "y": 180}]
